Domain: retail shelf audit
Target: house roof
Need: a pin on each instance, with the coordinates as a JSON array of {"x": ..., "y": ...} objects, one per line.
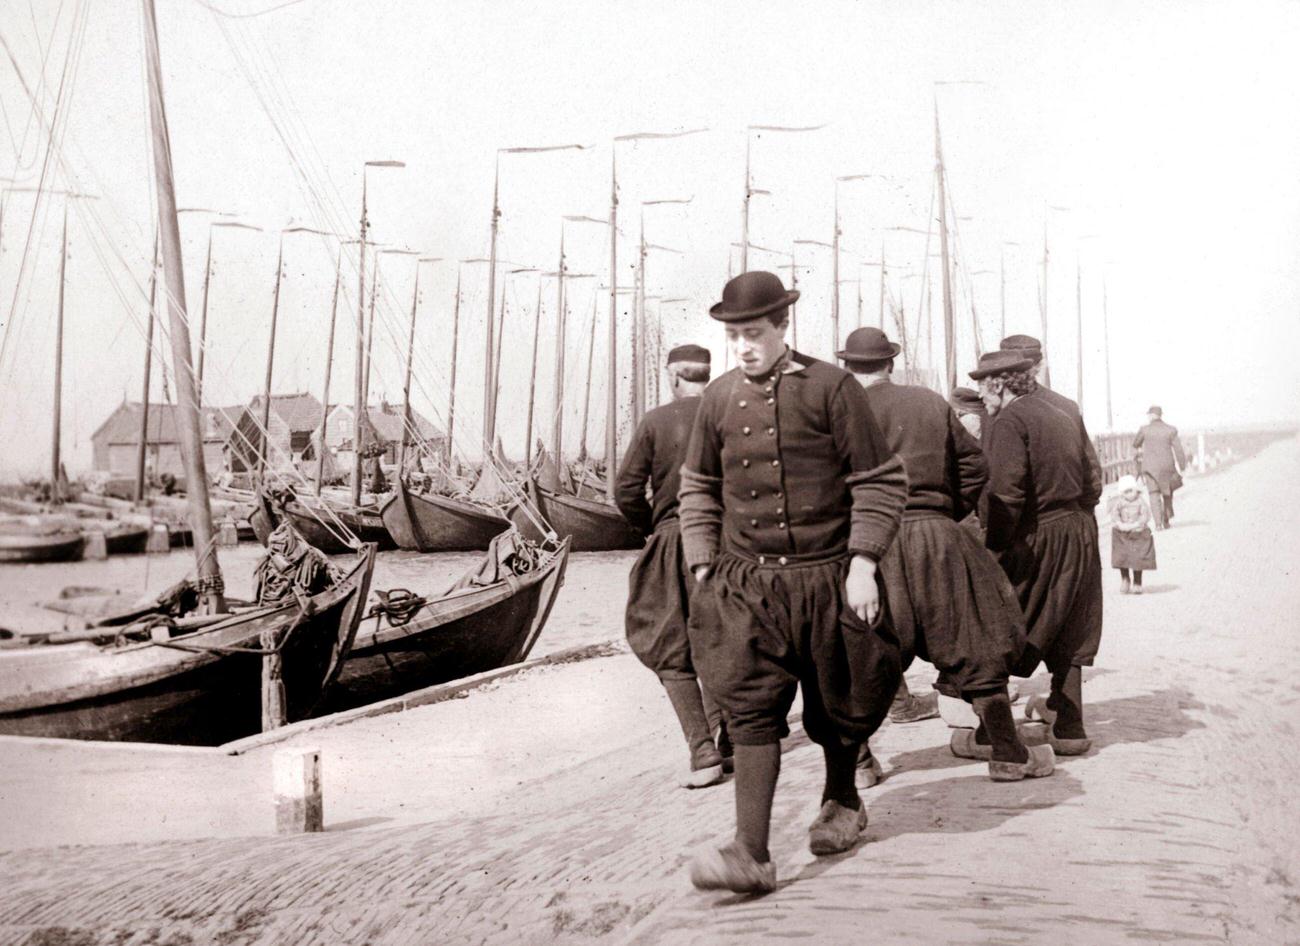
[
  {"x": 300, "y": 412},
  {"x": 123, "y": 425},
  {"x": 387, "y": 422}
]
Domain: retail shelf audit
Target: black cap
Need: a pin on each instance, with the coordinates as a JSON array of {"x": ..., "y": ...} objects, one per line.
[{"x": 697, "y": 354}]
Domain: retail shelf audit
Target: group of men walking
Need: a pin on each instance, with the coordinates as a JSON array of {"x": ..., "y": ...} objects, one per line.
[{"x": 815, "y": 529}]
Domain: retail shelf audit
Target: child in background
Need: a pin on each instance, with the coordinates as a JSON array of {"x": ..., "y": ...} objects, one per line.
[{"x": 1132, "y": 546}]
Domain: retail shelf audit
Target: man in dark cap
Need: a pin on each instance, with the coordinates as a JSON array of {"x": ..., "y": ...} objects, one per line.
[
  {"x": 790, "y": 496},
  {"x": 1161, "y": 457},
  {"x": 969, "y": 407},
  {"x": 1044, "y": 483},
  {"x": 949, "y": 601},
  {"x": 660, "y": 583}
]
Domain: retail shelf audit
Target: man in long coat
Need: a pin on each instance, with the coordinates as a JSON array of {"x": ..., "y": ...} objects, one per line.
[
  {"x": 1162, "y": 458},
  {"x": 1044, "y": 484},
  {"x": 790, "y": 496},
  {"x": 658, "y": 602},
  {"x": 949, "y": 601}
]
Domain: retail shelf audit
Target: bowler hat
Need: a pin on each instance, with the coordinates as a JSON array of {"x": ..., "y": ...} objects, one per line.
[
  {"x": 1154, "y": 409},
  {"x": 868, "y": 344},
  {"x": 695, "y": 354},
  {"x": 1025, "y": 345},
  {"x": 967, "y": 401},
  {"x": 751, "y": 295},
  {"x": 1000, "y": 362}
]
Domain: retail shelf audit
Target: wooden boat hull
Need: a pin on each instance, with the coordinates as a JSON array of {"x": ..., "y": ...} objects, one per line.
[
  {"x": 322, "y": 529},
  {"x": 431, "y": 523},
  {"x": 593, "y": 526},
  {"x": 57, "y": 547},
  {"x": 126, "y": 540},
  {"x": 152, "y": 692},
  {"x": 459, "y": 634}
]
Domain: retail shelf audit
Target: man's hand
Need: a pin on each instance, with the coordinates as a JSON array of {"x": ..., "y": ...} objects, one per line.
[
  {"x": 860, "y": 589},
  {"x": 702, "y": 572}
]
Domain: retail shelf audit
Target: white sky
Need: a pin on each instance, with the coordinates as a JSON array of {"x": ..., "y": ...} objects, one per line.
[{"x": 1171, "y": 130}]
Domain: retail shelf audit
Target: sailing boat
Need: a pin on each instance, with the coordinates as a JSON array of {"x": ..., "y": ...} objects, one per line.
[
  {"x": 429, "y": 521},
  {"x": 187, "y": 667},
  {"x": 593, "y": 525},
  {"x": 59, "y": 530}
]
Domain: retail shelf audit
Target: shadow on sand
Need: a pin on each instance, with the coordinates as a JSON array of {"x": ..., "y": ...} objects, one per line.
[{"x": 1146, "y": 718}]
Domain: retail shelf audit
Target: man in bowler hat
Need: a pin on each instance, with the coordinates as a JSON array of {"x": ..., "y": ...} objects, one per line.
[
  {"x": 660, "y": 583},
  {"x": 949, "y": 602},
  {"x": 789, "y": 498},
  {"x": 1044, "y": 483}
]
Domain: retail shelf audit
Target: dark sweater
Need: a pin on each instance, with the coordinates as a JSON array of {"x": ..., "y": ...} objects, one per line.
[
  {"x": 945, "y": 466},
  {"x": 1041, "y": 460},
  {"x": 789, "y": 465},
  {"x": 655, "y": 455}
]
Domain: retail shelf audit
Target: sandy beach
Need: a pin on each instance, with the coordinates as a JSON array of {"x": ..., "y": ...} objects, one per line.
[{"x": 542, "y": 808}]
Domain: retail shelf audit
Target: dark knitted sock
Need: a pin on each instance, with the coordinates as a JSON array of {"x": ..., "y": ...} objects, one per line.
[
  {"x": 1123, "y": 573},
  {"x": 688, "y": 704},
  {"x": 1137, "y": 577},
  {"x": 757, "y": 768},
  {"x": 1067, "y": 700},
  {"x": 994, "y": 711},
  {"x": 841, "y": 763}
]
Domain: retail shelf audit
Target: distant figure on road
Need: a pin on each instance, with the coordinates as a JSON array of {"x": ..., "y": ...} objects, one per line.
[
  {"x": 1132, "y": 546},
  {"x": 790, "y": 496},
  {"x": 1161, "y": 457},
  {"x": 1044, "y": 484},
  {"x": 950, "y": 602},
  {"x": 658, "y": 601}
]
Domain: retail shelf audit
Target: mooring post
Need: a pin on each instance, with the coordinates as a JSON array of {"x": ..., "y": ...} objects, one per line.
[
  {"x": 160, "y": 539},
  {"x": 298, "y": 803},
  {"x": 273, "y": 708},
  {"x": 96, "y": 546},
  {"x": 228, "y": 535}
]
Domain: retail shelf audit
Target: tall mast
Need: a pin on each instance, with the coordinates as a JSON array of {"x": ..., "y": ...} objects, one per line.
[
  {"x": 210, "y": 585},
  {"x": 359, "y": 379},
  {"x": 406, "y": 384},
  {"x": 835, "y": 275},
  {"x": 611, "y": 397},
  {"x": 56, "y": 489},
  {"x": 489, "y": 372},
  {"x": 496, "y": 362},
  {"x": 329, "y": 367},
  {"x": 744, "y": 215},
  {"x": 638, "y": 331},
  {"x": 203, "y": 315},
  {"x": 455, "y": 346},
  {"x": 1002, "y": 290},
  {"x": 557, "y": 430},
  {"x": 148, "y": 370},
  {"x": 586, "y": 398},
  {"x": 1105, "y": 341},
  {"x": 949, "y": 332},
  {"x": 1042, "y": 309},
  {"x": 265, "y": 453},
  {"x": 532, "y": 380},
  {"x": 881, "y": 315},
  {"x": 1078, "y": 332},
  {"x": 370, "y": 332}
]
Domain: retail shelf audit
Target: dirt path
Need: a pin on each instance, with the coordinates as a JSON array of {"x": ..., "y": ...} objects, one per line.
[{"x": 1178, "y": 827}]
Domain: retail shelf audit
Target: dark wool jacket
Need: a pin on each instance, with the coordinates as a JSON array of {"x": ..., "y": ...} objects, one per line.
[
  {"x": 1041, "y": 460},
  {"x": 945, "y": 466},
  {"x": 789, "y": 466},
  {"x": 656, "y": 453}
]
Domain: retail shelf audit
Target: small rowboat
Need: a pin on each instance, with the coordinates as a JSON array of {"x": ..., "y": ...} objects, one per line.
[{"x": 149, "y": 676}]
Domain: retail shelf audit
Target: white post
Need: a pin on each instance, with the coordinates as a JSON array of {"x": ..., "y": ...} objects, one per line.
[
  {"x": 1200, "y": 452},
  {"x": 298, "y": 802}
]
